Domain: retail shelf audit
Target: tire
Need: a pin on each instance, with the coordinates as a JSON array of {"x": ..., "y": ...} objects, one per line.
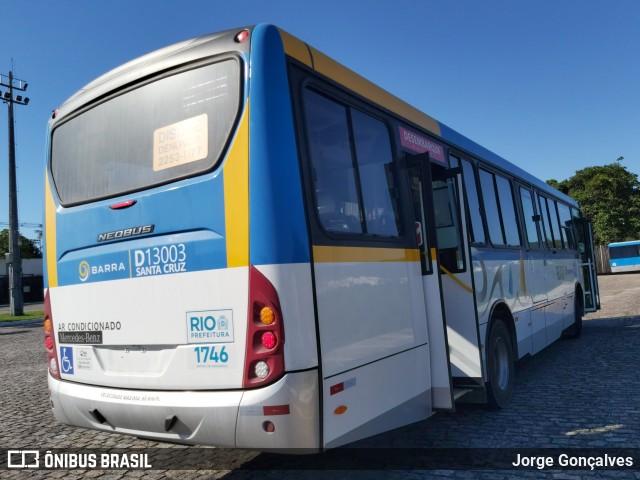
[
  {"x": 500, "y": 364},
  {"x": 575, "y": 330}
]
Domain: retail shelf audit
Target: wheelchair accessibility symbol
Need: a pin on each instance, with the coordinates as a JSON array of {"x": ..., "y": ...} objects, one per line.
[{"x": 66, "y": 360}]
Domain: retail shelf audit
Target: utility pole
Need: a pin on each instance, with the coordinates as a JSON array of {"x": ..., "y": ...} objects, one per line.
[{"x": 14, "y": 259}]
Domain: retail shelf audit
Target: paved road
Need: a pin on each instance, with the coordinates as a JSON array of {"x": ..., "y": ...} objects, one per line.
[
  {"x": 28, "y": 307},
  {"x": 576, "y": 394}
]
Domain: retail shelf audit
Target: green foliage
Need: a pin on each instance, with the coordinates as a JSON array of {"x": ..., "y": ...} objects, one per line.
[
  {"x": 609, "y": 196},
  {"x": 28, "y": 249},
  {"x": 7, "y": 317},
  {"x": 554, "y": 183}
]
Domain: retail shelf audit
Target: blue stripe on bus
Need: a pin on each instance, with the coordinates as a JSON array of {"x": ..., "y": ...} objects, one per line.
[
  {"x": 624, "y": 244},
  {"x": 144, "y": 257},
  {"x": 278, "y": 231},
  {"x": 462, "y": 142},
  {"x": 625, "y": 262},
  {"x": 176, "y": 213}
]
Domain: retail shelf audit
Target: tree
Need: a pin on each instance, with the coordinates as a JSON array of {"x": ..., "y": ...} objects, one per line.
[
  {"x": 28, "y": 248},
  {"x": 554, "y": 183},
  {"x": 609, "y": 195}
]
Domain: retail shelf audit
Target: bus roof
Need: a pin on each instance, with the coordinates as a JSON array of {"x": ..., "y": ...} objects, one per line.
[
  {"x": 624, "y": 244},
  {"x": 152, "y": 63},
  {"x": 328, "y": 67}
]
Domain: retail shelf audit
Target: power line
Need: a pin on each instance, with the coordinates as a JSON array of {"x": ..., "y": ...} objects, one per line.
[{"x": 25, "y": 224}]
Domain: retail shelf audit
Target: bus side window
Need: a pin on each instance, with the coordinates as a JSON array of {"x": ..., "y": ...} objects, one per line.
[
  {"x": 545, "y": 221},
  {"x": 473, "y": 203},
  {"x": 550, "y": 217},
  {"x": 334, "y": 174},
  {"x": 575, "y": 220},
  {"x": 375, "y": 168},
  {"x": 448, "y": 228},
  {"x": 352, "y": 165},
  {"x": 566, "y": 226},
  {"x": 500, "y": 208},
  {"x": 531, "y": 229},
  {"x": 494, "y": 223},
  {"x": 508, "y": 211},
  {"x": 558, "y": 234}
]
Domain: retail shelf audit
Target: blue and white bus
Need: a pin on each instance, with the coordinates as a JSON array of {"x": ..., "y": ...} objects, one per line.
[
  {"x": 624, "y": 256},
  {"x": 249, "y": 245}
]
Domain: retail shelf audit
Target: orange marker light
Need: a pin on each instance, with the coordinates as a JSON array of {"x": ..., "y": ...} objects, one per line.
[
  {"x": 340, "y": 410},
  {"x": 267, "y": 316}
]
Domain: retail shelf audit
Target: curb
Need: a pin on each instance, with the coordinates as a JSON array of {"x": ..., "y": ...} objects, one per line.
[{"x": 19, "y": 323}]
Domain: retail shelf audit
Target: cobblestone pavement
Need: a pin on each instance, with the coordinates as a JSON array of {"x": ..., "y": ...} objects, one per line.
[{"x": 576, "y": 394}]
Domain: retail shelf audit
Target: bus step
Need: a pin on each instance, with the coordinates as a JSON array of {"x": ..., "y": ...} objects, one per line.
[
  {"x": 470, "y": 395},
  {"x": 460, "y": 392}
]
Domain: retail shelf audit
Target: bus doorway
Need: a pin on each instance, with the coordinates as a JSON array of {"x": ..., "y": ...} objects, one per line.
[
  {"x": 455, "y": 271},
  {"x": 588, "y": 264},
  {"x": 419, "y": 177},
  {"x": 455, "y": 355}
]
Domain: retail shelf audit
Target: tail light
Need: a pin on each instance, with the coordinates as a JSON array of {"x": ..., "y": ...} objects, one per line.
[
  {"x": 50, "y": 340},
  {"x": 241, "y": 36},
  {"x": 264, "y": 361}
]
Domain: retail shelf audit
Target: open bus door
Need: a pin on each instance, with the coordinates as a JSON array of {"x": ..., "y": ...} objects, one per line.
[
  {"x": 419, "y": 176},
  {"x": 588, "y": 265},
  {"x": 456, "y": 271}
]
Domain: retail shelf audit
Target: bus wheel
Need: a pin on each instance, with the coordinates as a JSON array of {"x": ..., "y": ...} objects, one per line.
[
  {"x": 575, "y": 330},
  {"x": 500, "y": 365}
]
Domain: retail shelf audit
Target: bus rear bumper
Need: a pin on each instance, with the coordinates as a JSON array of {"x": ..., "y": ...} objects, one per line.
[{"x": 220, "y": 418}]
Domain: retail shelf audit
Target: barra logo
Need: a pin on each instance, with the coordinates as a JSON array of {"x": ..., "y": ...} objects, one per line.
[{"x": 84, "y": 270}]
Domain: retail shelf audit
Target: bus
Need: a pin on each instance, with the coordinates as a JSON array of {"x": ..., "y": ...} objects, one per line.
[
  {"x": 624, "y": 256},
  {"x": 249, "y": 245}
]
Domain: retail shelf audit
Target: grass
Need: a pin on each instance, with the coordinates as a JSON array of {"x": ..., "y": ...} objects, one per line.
[{"x": 7, "y": 317}]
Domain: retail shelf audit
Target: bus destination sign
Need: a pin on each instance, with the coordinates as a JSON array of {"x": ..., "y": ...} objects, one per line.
[{"x": 421, "y": 144}]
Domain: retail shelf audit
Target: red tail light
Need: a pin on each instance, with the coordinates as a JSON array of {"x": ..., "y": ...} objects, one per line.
[
  {"x": 269, "y": 340},
  {"x": 50, "y": 339},
  {"x": 241, "y": 36},
  {"x": 264, "y": 361}
]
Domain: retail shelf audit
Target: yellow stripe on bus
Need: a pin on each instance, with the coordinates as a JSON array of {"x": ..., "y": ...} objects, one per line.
[
  {"x": 463, "y": 285},
  {"x": 296, "y": 48},
  {"x": 323, "y": 254},
  {"x": 236, "y": 196},
  {"x": 50, "y": 235},
  {"x": 341, "y": 74},
  {"x": 325, "y": 65}
]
